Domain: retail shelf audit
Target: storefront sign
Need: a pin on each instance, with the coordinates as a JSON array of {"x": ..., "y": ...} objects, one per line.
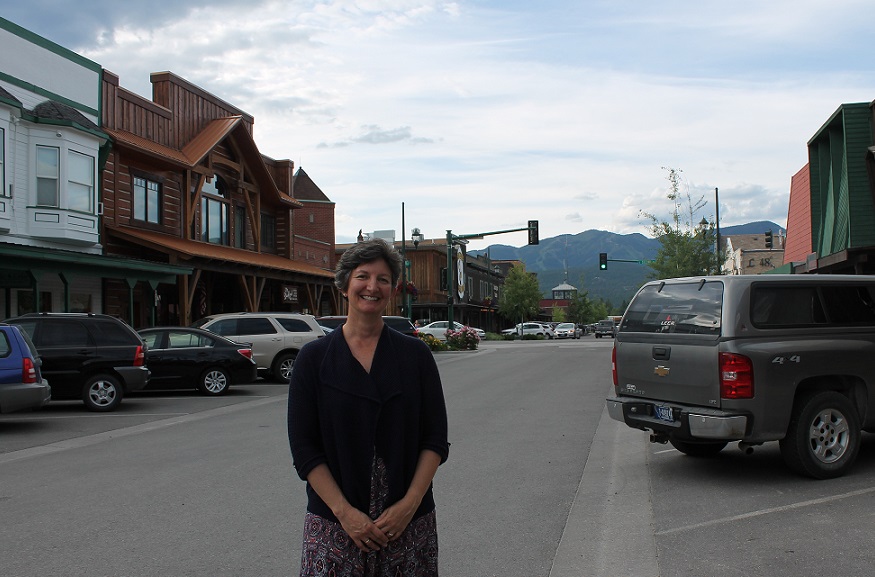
[{"x": 290, "y": 294}]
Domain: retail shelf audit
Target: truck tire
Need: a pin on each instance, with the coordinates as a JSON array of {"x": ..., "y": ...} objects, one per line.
[
  {"x": 823, "y": 438},
  {"x": 697, "y": 449}
]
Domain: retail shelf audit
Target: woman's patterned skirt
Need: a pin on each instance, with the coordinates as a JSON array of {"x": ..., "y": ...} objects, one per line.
[{"x": 329, "y": 552}]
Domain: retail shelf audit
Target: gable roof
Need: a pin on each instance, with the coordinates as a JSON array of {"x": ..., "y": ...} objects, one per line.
[
  {"x": 303, "y": 188},
  {"x": 199, "y": 147}
]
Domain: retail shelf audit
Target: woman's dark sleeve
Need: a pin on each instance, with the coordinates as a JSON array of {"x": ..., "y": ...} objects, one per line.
[
  {"x": 305, "y": 439},
  {"x": 434, "y": 410}
]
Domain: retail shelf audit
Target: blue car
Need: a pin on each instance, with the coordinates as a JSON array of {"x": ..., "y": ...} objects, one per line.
[{"x": 22, "y": 386}]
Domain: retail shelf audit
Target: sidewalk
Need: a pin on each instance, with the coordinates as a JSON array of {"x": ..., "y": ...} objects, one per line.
[{"x": 609, "y": 530}]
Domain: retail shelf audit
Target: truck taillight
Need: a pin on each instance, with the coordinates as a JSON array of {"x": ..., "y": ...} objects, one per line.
[
  {"x": 139, "y": 357},
  {"x": 28, "y": 371},
  {"x": 245, "y": 352},
  {"x": 614, "y": 363},
  {"x": 736, "y": 376}
]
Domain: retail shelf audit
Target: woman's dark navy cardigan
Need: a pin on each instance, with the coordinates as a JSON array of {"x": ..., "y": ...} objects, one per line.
[{"x": 339, "y": 414}]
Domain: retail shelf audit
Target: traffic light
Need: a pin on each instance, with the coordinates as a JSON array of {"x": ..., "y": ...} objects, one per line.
[
  {"x": 443, "y": 285},
  {"x": 603, "y": 261},
  {"x": 533, "y": 232},
  {"x": 768, "y": 239}
]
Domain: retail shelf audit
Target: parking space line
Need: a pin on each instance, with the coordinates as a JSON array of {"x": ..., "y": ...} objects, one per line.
[
  {"x": 89, "y": 440},
  {"x": 769, "y": 511}
]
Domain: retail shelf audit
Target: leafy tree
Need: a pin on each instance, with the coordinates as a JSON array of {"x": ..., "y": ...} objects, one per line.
[
  {"x": 580, "y": 308},
  {"x": 558, "y": 314},
  {"x": 583, "y": 310},
  {"x": 686, "y": 247},
  {"x": 521, "y": 296}
]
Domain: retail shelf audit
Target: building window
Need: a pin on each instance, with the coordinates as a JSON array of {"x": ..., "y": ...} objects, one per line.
[
  {"x": 147, "y": 200},
  {"x": 214, "y": 212},
  {"x": 268, "y": 232},
  {"x": 47, "y": 174},
  {"x": 240, "y": 226},
  {"x": 80, "y": 182}
]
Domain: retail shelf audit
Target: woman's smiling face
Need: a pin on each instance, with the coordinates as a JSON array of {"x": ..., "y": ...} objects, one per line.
[{"x": 370, "y": 287}]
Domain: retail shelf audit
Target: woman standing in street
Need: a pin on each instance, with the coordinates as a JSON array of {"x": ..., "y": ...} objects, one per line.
[{"x": 367, "y": 431}]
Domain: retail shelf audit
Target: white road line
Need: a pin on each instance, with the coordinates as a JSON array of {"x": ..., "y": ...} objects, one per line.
[
  {"x": 88, "y": 440},
  {"x": 769, "y": 511}
]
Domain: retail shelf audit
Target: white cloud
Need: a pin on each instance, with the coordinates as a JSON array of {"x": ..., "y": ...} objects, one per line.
[{"x": 482, "y": 116}]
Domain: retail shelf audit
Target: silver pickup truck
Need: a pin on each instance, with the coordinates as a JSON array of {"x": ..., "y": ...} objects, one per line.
[{"x": 701, "y": 362}]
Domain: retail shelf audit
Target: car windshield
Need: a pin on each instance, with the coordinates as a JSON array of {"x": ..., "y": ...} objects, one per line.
[{"x": 693, "y": 307}]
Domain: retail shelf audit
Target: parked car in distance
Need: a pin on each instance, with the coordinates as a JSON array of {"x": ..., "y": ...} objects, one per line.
[
  {"x": 438, "y": 329},
  {"x": 400, "y": 324},
  {"x": 94, "y": 357},
  {"x": 567, "y": 331},
  {"x": 184, "y": 357},
  {"x": 22, "y": 386},
  {"x": 276, "y": 337},
  {"x": 530, "y": 328}
]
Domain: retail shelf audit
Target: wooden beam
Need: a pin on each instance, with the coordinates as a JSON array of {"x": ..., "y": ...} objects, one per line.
[{"x": 193, "y": 206}]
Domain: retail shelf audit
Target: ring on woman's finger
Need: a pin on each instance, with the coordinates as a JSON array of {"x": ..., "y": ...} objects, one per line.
[
  {"x": 367, "y": 541},
  {"x": 390, "y": 534}
]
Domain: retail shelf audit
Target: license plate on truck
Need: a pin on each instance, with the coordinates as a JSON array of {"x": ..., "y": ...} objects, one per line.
[{"x": 663, "y": 413}]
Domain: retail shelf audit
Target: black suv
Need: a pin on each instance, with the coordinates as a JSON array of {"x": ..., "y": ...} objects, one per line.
[
  {"x": 93, "y": 357},
  {"x": 400, "y": 324}
]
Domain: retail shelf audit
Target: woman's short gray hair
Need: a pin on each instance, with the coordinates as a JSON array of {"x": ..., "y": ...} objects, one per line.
[{"x": 365, "y": 252}]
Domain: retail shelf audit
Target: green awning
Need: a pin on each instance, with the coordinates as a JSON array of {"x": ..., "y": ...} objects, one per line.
[{"x": 16, "y": 259}]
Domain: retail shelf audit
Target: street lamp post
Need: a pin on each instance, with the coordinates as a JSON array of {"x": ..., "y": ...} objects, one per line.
[
  {"x": 403, "y": 268},
  {"x": 417, "y": 237}
]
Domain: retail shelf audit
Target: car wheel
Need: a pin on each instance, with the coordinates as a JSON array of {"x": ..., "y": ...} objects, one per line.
[
  {"x": 282, "y": 366},
  {"x": 823, "y": 438},
  {"x": 102, "y": 393},
  {"x": 697, "y": 449},
  {"x": 214, "y": 381}
]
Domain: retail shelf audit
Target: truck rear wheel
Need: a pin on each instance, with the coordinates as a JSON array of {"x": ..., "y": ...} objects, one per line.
[
  {"x": 823, "y": 438},
  {"x": 697, "y": 449}
]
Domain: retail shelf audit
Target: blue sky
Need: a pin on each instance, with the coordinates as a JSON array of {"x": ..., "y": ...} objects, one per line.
[{"x": 481, "y": 115}]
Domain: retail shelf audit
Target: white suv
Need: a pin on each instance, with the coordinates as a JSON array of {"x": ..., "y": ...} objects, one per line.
[{"x": 276, "y": 338}]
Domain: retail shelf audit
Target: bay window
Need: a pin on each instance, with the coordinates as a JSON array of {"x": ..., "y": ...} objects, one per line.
[{"x": 47, "y": 174}]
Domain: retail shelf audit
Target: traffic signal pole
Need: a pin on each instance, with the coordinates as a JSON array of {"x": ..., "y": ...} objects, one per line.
[{"x": 451, "y": 238}]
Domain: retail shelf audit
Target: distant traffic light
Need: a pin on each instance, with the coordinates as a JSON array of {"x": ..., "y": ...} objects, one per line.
[
  {"x": 443, "y": 279},
  {"x": 533, "y": 232},
  {"x": 603, "y": 261},
  {"x": 768, "y": 239}
]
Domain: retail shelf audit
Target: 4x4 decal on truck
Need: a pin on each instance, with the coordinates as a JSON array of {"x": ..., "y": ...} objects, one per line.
[{"x": 790, "y": 359}]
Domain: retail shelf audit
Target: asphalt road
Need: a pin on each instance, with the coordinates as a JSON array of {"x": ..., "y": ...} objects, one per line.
[{"x": 539, "y": 483}]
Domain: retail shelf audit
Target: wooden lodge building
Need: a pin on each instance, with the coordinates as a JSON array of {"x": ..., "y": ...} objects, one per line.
[
  {"x": 185, "y": 184},
  {"x": 156, "y": 211}
]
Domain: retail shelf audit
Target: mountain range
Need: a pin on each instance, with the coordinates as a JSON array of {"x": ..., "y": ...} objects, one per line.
[{"x": 573, "y": 258}]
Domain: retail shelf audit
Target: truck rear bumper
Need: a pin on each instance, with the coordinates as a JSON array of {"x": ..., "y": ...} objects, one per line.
[{"x": 686, "y": 422}]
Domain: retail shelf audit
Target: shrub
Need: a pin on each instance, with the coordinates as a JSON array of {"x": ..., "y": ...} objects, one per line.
[
  {"x": 432, "y": 342},
  {"x": 464, "y": 339}
]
